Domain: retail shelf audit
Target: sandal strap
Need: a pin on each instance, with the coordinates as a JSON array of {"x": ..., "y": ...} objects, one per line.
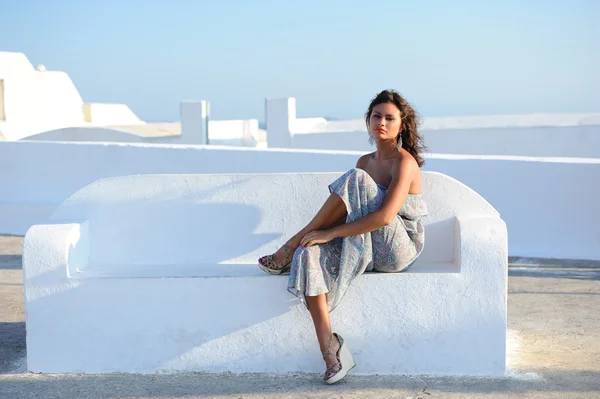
[
  {"x": 286, "y": 250},
  {"x": 271, "y": 262},
  {"x": 334, "y": 367},
  {"x": 328, "y": 352},
  {"x": 332, "y": 370}
]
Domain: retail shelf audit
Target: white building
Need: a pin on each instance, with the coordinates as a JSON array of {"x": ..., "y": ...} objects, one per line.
[
  {"x": 37, "y": 104},
  {"x": 33, "y": 101}
]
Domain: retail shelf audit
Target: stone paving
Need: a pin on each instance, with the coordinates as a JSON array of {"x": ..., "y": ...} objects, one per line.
[{"x": 554, "y": 350}]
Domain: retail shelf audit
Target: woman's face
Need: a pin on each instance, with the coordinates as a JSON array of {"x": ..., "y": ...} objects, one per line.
[{"x": 384, "y": 123}]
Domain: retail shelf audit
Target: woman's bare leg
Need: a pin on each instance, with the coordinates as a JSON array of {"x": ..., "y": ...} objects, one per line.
[
  {"x": 331, "y": 213},
  {"x": 317, "y": 306}
]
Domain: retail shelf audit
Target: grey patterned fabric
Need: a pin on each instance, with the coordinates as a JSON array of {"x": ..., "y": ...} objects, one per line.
[{"x": 331, "y": 267}]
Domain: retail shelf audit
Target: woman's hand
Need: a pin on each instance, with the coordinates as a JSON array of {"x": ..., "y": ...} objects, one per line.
[{"x": 316, "y": 237}]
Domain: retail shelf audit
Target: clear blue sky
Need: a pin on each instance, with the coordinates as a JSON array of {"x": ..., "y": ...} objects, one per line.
[{"x": 447, "y": 57}]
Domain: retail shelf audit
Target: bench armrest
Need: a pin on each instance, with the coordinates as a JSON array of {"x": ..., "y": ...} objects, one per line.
[
  {"x": 483, "y": 248},
  {"x": 51, "y": 254}
]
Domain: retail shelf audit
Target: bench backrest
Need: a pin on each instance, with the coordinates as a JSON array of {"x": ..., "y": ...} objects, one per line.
[{"x": 232, "y": 218}]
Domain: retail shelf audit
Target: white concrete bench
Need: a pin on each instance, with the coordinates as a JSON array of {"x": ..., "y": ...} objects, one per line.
[{"x": 158, "y": 273}]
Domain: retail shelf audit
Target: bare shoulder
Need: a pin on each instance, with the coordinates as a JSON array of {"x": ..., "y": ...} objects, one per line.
[
  {"x": 364, "y": 160},
  {"x": 405, "y": 162},
  {"x": 406, "y": 169}
]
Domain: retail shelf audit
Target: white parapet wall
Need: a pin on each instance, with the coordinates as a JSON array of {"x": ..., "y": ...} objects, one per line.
[
  {"x": 96, "y": 134},
  {"x": 241, "y": 133},
  {"x": 237, "y": 133},
  {"x": 536, "y": 135},
  {"x": 158, "y": 273},
  {"x": 195, "y": 128},
  {"x": 549, "y": 204}
]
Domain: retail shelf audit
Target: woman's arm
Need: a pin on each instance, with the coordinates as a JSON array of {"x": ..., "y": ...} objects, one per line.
[{"x": 392, "y": 203}]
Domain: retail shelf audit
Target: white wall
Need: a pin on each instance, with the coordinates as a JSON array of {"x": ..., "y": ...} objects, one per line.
[
  {"x": 571, "y": 141},
  {"x": 230, "y": 133},
  {"x": 549, "y": 205},
  {"x": 552, "y": 135},
  {"x": 235, "y": 132},
  {"x": 86, "y": 134}
]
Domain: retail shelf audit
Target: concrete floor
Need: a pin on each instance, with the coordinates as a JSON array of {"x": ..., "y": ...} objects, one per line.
[{"x": 554, "y": 350}]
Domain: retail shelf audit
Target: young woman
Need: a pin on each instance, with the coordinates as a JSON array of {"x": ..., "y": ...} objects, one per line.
[{"x": 370, "y": 222}]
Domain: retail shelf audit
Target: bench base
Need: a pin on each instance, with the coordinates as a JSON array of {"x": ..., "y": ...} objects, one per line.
[{"x": 406, "y": 323}]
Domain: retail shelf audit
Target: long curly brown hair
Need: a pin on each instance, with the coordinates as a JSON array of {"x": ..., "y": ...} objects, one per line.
[{"x": 411, "y": 139}]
